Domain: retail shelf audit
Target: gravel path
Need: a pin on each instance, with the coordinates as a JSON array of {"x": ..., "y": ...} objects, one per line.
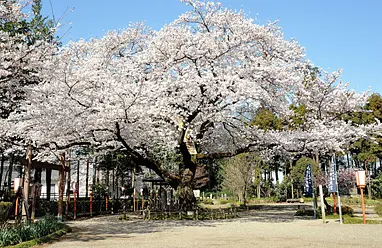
[{"x": 272, "y": 227}]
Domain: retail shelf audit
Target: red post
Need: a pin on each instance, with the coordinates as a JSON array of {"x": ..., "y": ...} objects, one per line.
[
  {"x": 17, "y": 208},
  {"x": 134, "y": 195},
  {"x": 363, "y": 206},
  {"x": 107, "y": 202},
  {"x": 91, "y": 203},
  {"x": 335, "y": 202},
  {"x": 75, "y": 205}
]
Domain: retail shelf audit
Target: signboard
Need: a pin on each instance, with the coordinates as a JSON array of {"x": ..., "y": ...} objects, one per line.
[
  {"x": 308, "y": 180},
  {"x": 197, "y": 193},
  {"x": 333, "y": 176},
  {"x": 189, "y": 142}
]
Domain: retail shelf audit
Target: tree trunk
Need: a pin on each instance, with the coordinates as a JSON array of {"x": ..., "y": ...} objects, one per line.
[
  {"x": 2, "y": 170},
  {"x": 48, "y": 183},
  {"x": 10, "y": 168},
  {"x": 87, "y": 179}
]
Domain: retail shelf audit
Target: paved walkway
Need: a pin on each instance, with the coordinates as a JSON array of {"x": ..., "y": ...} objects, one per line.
[{"x": 271, "y": 227}]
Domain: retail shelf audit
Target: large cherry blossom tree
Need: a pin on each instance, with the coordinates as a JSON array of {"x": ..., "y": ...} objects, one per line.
[
  {"x": 181, "y": 90},
  {"x": 26, "y": 43}
]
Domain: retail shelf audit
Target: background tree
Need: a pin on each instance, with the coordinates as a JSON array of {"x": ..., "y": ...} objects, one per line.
[
  {"x": 26, "y": 43},
  {"x": 238, "y": 173}
]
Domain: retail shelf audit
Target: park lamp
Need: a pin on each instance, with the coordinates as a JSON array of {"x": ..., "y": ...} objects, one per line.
[
  {"x": 361, "y": 183},
  {"x": 361, "y": 179},
  {"x": 17, "y": 182}
]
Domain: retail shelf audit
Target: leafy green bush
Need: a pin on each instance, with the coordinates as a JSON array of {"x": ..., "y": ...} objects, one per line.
[
  {"x": 378, "y": 209},
  {"x": 24, "y": 232},
  {"x": 347, "y": 210},
  {"x": 208, "y": 201},
  {"x": 4, "y": 209},
  {"x": 282, "y": 189}
]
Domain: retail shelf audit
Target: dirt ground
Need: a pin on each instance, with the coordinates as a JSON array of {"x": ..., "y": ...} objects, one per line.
[{"x": 269, "y": 227}]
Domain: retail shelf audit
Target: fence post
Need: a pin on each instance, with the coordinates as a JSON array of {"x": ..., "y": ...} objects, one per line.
[{"x": 91, "y": 203}]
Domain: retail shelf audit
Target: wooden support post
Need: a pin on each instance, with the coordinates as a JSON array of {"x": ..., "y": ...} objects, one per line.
[
  {"x": 27, "y": 178},
  {"x": 61, "y": 187},
  {"x": 48, "y": 183},
  {"x": 68, "y": 181}
]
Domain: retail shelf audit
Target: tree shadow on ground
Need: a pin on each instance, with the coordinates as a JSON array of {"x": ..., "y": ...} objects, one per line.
[
  {"x": 101, "y": 228},
  {"x": 274, "y": 213},
  {"x": 105, "y": 227}
]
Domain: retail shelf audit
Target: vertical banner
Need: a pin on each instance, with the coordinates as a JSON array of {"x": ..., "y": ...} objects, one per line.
[
  {"x": 308, "y": 181},
  {"x": 333, "y": 176}
]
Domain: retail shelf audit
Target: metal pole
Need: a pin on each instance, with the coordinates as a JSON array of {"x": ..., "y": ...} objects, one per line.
[
  {"x": 363, "y": 206},
  {"x": 322, "y": 204},
  {"x": 339, "y": 208}
]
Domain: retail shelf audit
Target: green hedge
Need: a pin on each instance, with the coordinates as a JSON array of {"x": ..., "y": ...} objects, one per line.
[
  {"x": 4, "y": 209},
  {"x": 15, "y": 234}
]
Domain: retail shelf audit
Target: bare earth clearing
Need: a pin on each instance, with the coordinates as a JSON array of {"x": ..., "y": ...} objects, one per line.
[{"x": 270, "y": 227}]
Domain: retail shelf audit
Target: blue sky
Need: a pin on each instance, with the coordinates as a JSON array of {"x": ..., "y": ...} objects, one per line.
[{"x": 336, "y": 34}]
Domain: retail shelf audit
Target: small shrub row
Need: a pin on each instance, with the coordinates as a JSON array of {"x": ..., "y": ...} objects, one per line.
[
  {"x": 4, "y": 210},
  {"x": 204, "y": 215},
  {"x": 23, "y": 232}
]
